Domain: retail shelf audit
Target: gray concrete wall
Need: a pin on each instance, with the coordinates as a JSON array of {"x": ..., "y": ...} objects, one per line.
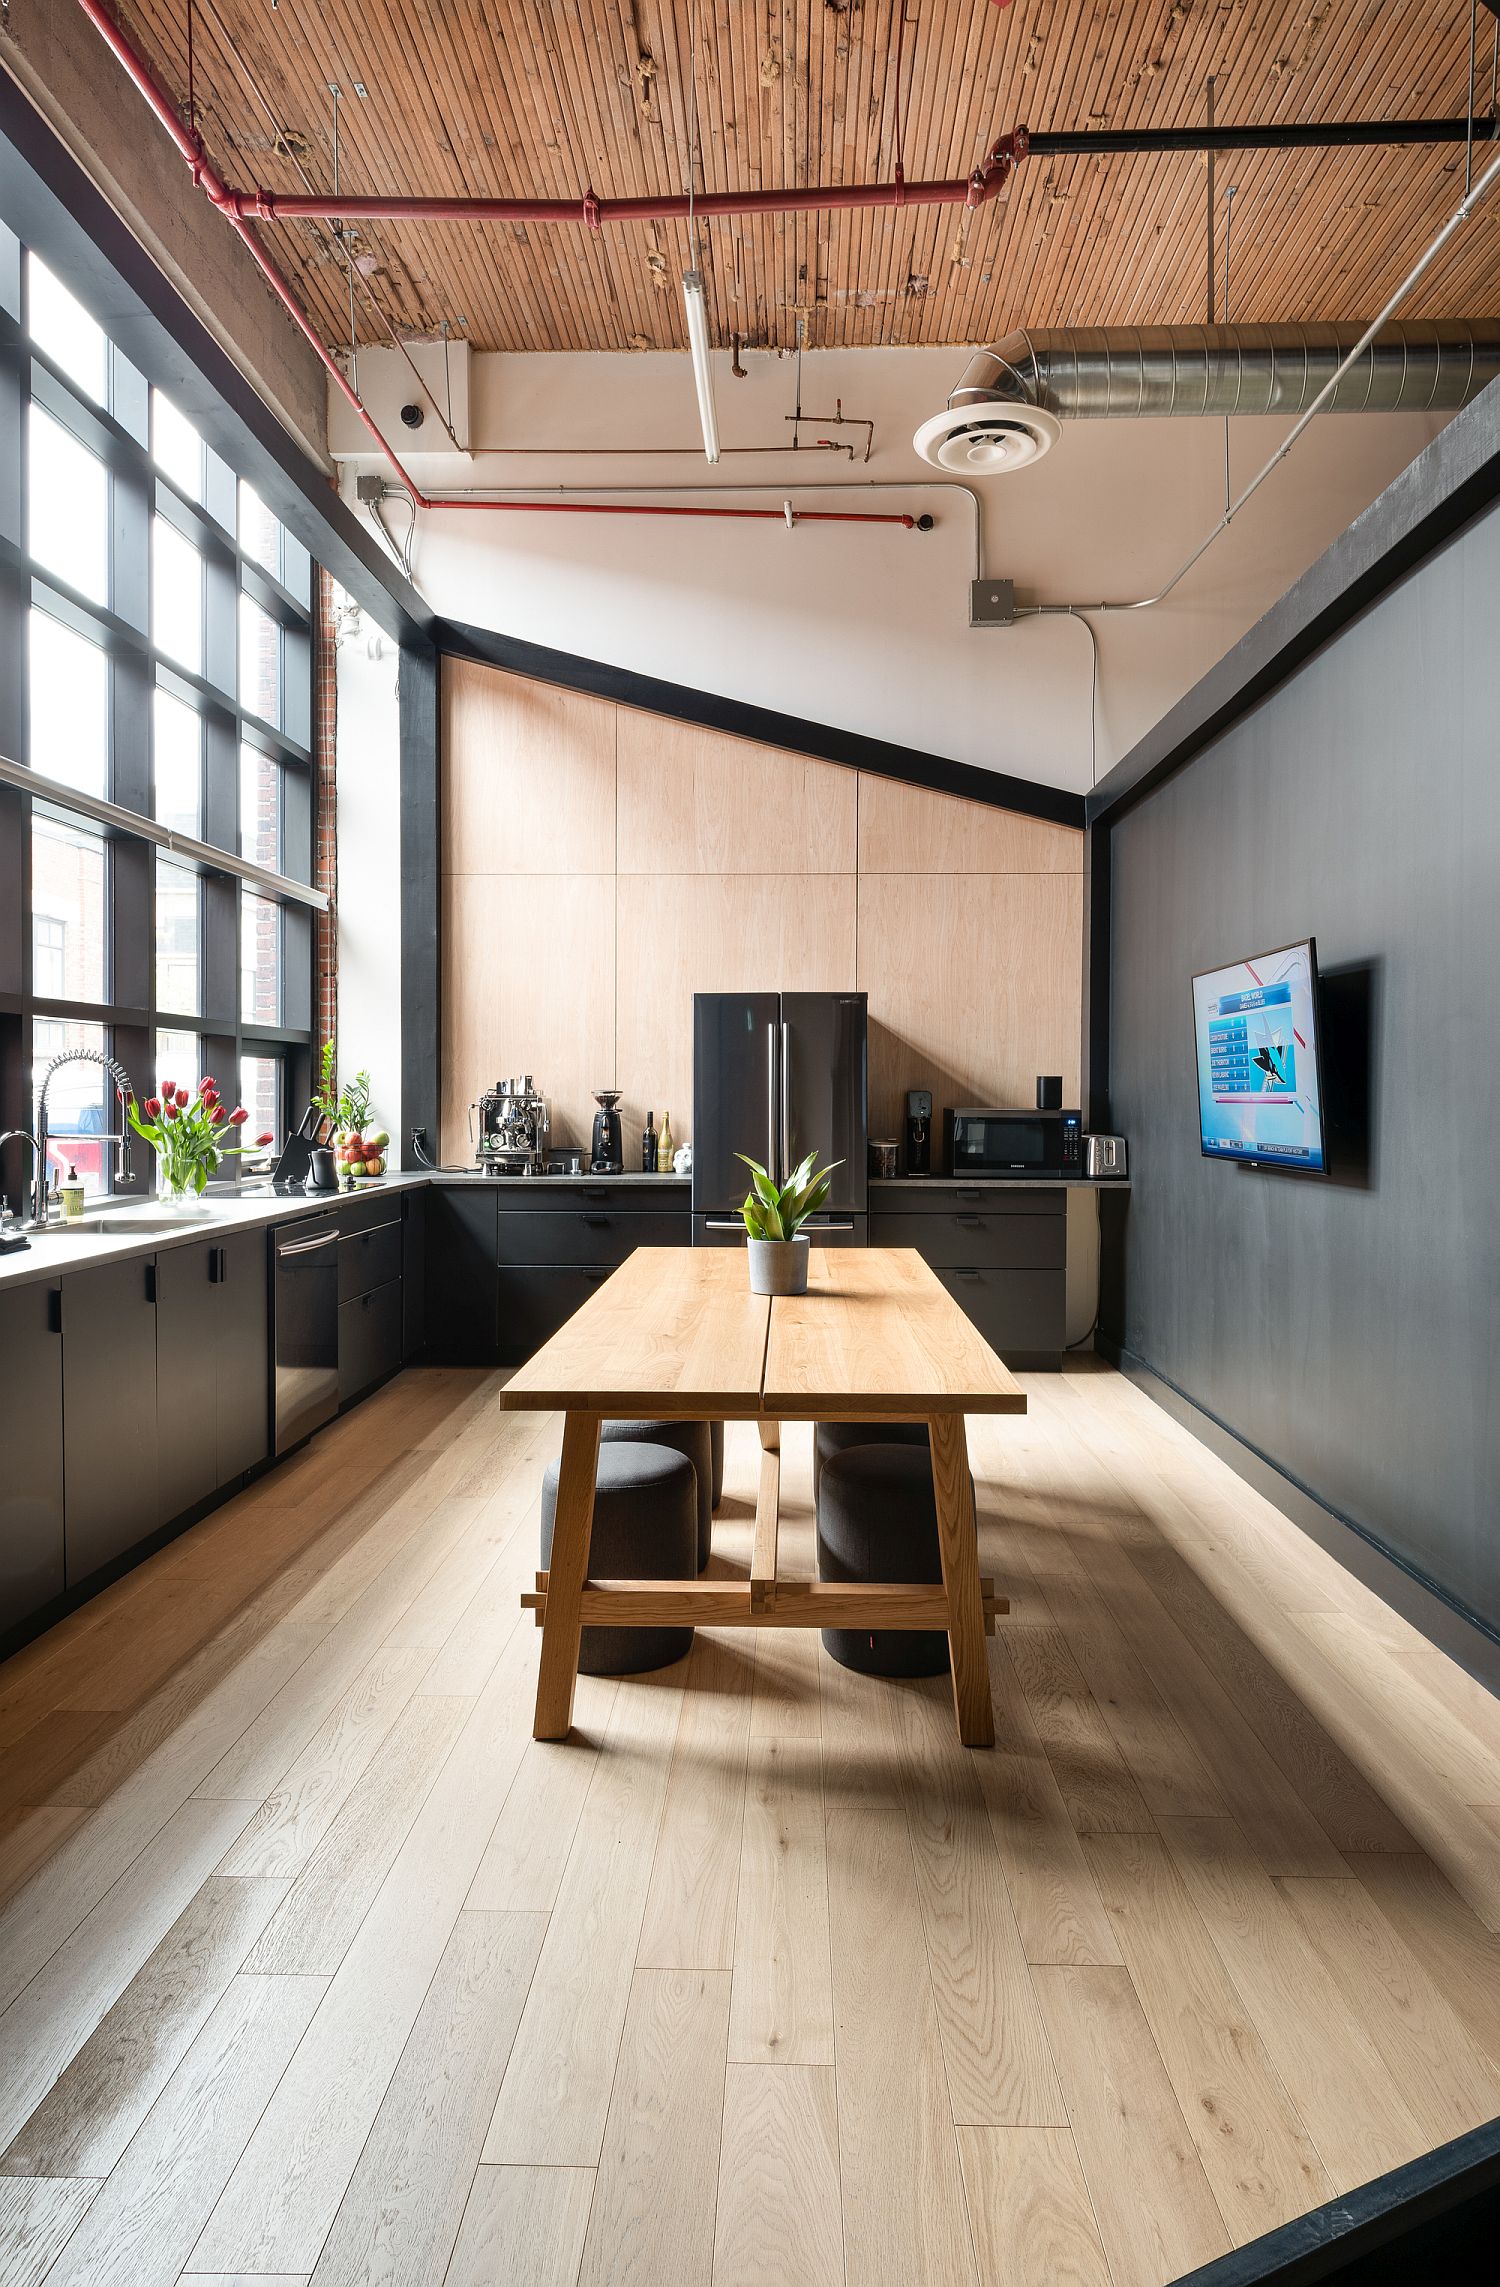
[{"x": 55, "y": 55}]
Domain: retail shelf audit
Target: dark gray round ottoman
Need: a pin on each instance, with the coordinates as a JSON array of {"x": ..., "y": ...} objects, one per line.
[
  {"x": 716, "y": 1442},
  {"x": 645, "y": 1528},
  {"x": 695, "y": 1440},
  {"x": 831, "y": 1437},
  {"x": 877, "y": 1521}
]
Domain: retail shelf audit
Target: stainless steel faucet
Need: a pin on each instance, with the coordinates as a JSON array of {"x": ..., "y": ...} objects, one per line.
[
  {"x": 120, "y": 1136},
  {"x": 14, "y": 1135}
]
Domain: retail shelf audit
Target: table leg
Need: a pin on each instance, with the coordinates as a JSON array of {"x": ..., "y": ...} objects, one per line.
[
  {"x": 566, "y": 1572},
  {"x": 958, "y": 1543}
]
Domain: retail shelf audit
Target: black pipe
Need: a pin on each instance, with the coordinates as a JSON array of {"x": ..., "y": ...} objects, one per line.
[{"x": 1319, "y": 135}]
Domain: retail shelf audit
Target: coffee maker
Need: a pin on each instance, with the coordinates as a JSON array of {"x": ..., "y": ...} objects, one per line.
[
  {"x": 607, "y": 1156},
  {"x": 919, "y": 1131}
]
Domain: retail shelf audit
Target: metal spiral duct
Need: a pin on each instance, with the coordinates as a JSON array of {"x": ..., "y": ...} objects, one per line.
[
  {"x": 1087, "y": 373},
  {"x": 1011, "y": 397}
]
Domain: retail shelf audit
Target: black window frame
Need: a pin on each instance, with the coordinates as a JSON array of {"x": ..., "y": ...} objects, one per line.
[{"x": 119, "y": 432}]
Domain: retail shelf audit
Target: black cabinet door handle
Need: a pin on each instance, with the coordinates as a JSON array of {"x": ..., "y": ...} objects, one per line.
[
  {"x": 151, "y": 1282},
  {"x": 595, "y": 1277},
  {"x": 218, "y": 1266},
  {"x": 596, "y": 1222},
  {"x": 968, "y": 1222},
  {"x": 54, "y": 1310},
  {"x": 971, "y": 1195},
  {"x": 974, "y": 1275}
]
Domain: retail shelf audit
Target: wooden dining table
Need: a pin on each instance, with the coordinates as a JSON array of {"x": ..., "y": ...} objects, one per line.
[{"x": 676, "y": 1335}]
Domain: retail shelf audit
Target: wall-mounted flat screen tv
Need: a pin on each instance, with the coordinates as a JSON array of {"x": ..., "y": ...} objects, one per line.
[{"x": 1260, "y": 1088}]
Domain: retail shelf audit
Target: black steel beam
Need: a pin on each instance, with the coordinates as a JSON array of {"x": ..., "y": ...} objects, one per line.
[{"x": 1315, "y": 135}]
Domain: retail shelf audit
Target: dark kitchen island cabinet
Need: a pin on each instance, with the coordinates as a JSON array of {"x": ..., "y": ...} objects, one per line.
[{"x": 32, "y": 1571}]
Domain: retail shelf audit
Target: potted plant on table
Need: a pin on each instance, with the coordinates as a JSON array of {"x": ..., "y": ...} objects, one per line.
[
  {"x": 774, "y": 1214},
  {"x": 191, "y": 1136}
]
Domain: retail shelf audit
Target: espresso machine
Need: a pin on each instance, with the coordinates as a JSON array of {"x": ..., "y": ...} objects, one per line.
[{"x": 513, "y": 1126}]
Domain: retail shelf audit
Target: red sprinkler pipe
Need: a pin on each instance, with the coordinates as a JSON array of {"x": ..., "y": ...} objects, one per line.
[{"x": 237, "y": 206}]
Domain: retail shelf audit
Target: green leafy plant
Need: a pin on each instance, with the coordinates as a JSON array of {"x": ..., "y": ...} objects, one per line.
[
  {"x": 775, "y": 1210},
  {"x": 326, "y": 1094},
  {"x": 352, "y": 1111}
]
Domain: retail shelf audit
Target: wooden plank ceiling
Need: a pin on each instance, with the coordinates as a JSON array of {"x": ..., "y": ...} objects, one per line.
[{"x": 544, "y": 98}]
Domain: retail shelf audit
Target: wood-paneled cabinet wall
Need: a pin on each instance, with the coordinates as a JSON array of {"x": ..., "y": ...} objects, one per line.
[{"x": 602, "y": 864}]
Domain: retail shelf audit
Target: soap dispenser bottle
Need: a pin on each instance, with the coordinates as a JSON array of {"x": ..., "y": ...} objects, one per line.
[{"x": 70, "y": 1196}]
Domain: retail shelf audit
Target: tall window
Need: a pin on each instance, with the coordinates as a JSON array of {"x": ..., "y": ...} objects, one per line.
[{"x": 163, "y": 627}]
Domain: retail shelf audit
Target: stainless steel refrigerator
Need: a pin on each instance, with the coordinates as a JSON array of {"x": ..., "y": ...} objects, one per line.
[{"x": 778, "y": 1075}]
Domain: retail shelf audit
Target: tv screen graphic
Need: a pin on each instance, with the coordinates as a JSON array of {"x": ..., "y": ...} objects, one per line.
[{"x": 1260, "y": 1092}]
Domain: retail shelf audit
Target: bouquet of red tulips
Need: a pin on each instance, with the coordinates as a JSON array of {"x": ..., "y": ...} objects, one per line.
[{"x": 190, "y": 1135}]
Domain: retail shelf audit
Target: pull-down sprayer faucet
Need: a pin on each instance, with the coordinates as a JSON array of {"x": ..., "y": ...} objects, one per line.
[{"x": 120, "y": 1136}]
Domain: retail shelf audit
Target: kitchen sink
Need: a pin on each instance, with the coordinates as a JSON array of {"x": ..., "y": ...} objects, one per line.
[{"x": 125, "y": 1226}]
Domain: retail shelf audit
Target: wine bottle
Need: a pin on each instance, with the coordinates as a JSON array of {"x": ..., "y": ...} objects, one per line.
[
  {"x": 648, "y": 1146},
  {"x": 664, "y": 1146}
]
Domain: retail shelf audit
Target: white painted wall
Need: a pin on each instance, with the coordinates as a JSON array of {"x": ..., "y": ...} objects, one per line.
[
  {"x": 368, "y": 805},
  {"x": 867, "y": 628}
]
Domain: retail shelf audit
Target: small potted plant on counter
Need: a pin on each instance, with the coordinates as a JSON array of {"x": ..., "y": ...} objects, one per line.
[
  {"x": 191, "y": 1136},
  {"x": 774, "y": 1214}
]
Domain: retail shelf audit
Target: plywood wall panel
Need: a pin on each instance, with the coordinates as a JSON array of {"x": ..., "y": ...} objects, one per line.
[
  {"x": 907, "y": 830},
  {"x": 535, "y": 790},
  {"x": 528, "y": 986},
  {"x": 692, "y": 801},
  {"x": 974, "y": 983},
  {"x": 708, "y": 933},
  {"x": 573, "y": 950}
]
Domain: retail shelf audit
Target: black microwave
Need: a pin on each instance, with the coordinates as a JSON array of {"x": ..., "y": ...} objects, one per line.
[{"x": 984, "y": 1140}]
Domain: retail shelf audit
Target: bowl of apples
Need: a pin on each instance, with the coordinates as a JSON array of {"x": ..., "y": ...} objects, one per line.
[{"x": 361, "y": 1156}]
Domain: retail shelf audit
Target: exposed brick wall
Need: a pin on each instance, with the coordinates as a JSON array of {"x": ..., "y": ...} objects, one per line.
[{"x": 326, "y": 857}]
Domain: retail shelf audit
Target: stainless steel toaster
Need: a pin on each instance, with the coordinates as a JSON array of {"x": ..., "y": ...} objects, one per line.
[{"x": 1104, "y": 1155}]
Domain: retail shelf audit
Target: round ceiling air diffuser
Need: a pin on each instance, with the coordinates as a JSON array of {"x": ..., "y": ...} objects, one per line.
[{"x": 987, "y": 440}]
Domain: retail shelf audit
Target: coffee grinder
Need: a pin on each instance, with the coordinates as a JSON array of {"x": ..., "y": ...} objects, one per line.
[
  {"x": 607, "y": 1156},
  {"x": 919, "y": 1131}
]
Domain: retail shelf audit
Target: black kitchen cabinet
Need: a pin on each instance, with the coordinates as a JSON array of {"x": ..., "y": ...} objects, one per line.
[
  {"x": 413, "y": 1274},
  {"x": 243, "y": 1287},
  {"x": 213, "y": 1381},
  {"x": 110, "y": 1491},
  {"x": 31, "y": 1481},
  {"x": 187, "y": 1376},
  {"x": 462, "y": 1282},
  {"x": 369, "y": 1340}
]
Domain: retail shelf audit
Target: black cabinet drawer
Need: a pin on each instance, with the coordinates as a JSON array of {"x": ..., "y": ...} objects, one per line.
[
  {"x": 369, "y": 1339},
  {"x": 368, "y": 1258},
  {"x": 976, "y": 1239},
  {"x": 940, "y": 1197},
  {"x": 554, "y": 1195},
  {"x": 587, "y": 1235},
  {"x": 535, "y": 1303},
  {"x": 358, "y": 1210},
  {"x": 1019, "y": 1313}
]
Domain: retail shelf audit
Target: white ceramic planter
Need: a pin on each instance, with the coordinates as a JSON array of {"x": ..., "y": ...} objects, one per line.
[{"x": 778, "y": 1266}]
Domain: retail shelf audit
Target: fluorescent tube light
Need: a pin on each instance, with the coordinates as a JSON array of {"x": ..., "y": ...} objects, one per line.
[{"x": 703, "y": 380}]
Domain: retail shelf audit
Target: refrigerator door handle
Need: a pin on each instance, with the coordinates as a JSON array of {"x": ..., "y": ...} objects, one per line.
[
  {"x": 784, "y": 1174},
  {"x": 772, "y": 1089},
  {"x": 828, "y": 1226}
]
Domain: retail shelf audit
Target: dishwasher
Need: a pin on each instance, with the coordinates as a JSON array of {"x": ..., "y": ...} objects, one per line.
[{"x": 306, "y": 1304}]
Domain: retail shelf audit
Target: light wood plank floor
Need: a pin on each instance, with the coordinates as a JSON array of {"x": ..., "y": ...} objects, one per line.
[{"x": 315, "y": 1967}]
